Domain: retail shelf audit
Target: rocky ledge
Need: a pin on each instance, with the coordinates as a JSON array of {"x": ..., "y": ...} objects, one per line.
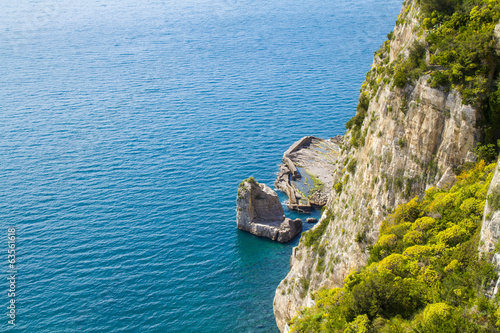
[
  {"x": 306, "y": 173},
  {"x": 259, "y": 212}
]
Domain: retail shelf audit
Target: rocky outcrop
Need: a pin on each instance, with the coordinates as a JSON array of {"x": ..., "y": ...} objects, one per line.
[
  {"x": 490, "y": 228},
  {"x": 410, "y": 139},
  {"x": 306, "y": 174},
  {"x": 259, "y": 212}
]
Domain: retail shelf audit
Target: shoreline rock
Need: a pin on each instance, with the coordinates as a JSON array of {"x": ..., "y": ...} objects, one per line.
[
  {"x": 315, "y": 158},
  {"x": 259, "y": 212},
  {"x": 406, "y": 143}
]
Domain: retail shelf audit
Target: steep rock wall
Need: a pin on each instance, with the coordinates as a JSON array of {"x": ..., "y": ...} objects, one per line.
[
  {"x": 412, "y": 139},
  {"x": 490, "y": 228}
]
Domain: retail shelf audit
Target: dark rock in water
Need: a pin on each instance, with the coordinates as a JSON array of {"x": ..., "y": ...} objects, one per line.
[
  {"x": 259, "y": 212},
  {"x": 311, "y": 220},
  {"x": 289, "y": 229}
]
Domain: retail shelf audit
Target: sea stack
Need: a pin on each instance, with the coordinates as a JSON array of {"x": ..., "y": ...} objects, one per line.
[{"x": 259, "y": 212}]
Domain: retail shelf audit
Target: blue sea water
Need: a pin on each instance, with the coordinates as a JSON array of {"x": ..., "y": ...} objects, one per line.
[{"x": 125, "y": 128}]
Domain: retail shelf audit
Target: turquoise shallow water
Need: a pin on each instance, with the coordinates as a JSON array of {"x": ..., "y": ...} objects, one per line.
[{"x": 126, "y": 127}]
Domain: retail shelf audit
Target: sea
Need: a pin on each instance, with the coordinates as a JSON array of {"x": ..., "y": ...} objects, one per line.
[{"x": 125, "y": 129}]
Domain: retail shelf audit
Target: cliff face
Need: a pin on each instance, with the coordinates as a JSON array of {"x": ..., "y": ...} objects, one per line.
[
  {"x": 490, "y": 228},
  {"x": 409, "y": 140}
]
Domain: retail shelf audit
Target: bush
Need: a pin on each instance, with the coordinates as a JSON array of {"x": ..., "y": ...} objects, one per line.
[
  {"x": 304, "y": 286},
  {"x": 361, "y": 236},
  {"x": 441, "y": 317},
  {"x": 428, "y": 7},
  {"x": 351, "y": 167},
  {"x": 439, "y": 79},
  {"x": 494, "y": 198},
  {"x": 311, "y": 237},
  {"x": 487, "y": 152},
  {"x": 360, "y": 325},
  {"x": 430, "y": 287},
  {"x": 400, "y": 77},
  {"x": 412, "y": 68},
  {"x": 462, "y": 47},
  {"x": 356, "y": 122}
]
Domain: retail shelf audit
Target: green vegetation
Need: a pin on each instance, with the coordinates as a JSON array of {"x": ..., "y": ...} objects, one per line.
[
  {"x": 356, "y": 122},
  {"x": 462, "y": 54},
  {"x": 361, "y": 237},
  {"x": 487, "y": 152},
  {"x": 412, "y": 68},
  {"x": 462, "y": 46},
  {"x": 351, "y": 167},
  {"x": 312, "y": 237},
  {"x": 424, "y": 273},
  {"x": 402, "y": 143},
  {"x": 494, "y": 198},
  {"x": 251, "y": 180},
  {"x": 304, "y": 286},
  {"x": 317, "y": 185},
  {"x": 458, "y": 53},
  {"x": 340, "y": 185}
]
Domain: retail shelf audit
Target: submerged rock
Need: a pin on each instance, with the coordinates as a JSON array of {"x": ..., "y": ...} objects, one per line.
[
  {"x": 259, "y": 212},
  {"x": 311, "y": 220}
]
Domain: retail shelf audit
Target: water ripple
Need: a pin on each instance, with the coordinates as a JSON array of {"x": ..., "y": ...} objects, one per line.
[{"x": 126, "y": 128}]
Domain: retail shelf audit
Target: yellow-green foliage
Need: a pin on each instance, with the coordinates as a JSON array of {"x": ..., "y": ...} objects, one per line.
[
  {"x": 418, "y": 251},
  {"x": 360, "y": 325},
  {"x": 424, "y": 223},
  {"x": 387, "y": 240},
  {"x": 312, "y": 237},
  {"x": 453, "y": 265},
  {"x": 424, "y": 273}
]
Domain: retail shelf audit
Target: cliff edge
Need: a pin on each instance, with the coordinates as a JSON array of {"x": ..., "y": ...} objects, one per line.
[{"x": 409, "y": 134}]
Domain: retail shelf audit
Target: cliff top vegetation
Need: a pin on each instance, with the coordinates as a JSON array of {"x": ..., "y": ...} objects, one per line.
[{"x": 424, "y": 273}]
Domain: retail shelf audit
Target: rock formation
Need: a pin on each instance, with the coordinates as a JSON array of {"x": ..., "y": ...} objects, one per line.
[
  {"x": 490, "y": 228},
  {"x": 410, "y": 139},
  {"x": 315, "y": 158},
  {"x": 259, "y": 212}
]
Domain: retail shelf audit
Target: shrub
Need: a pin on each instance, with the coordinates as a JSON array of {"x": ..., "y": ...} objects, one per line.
[
  {"x": 360, "y": 325},
  {"x": 494, "y": 198},
  {"x": 311, "y": 237},
  {"x": 435, "y": 286},
  {"x": 424, "y": 223},
  {"x": 338, "y": 187},
  {"x": 356, "y": 122},
  {"x": 412, "y": 67},
  {"x": 441, "y": 317},
  {"x": 361, "y": 236},
  {"x": 487, "y": 152},
  {"x": 304, "y": 286},
  {"x": 402, "y": 143},
  {"x": 351, "y": 167},
  {"x": 387, "y": 240}
]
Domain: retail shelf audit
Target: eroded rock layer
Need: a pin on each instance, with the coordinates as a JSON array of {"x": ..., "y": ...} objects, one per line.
[{"x": 259, "y": 212}]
